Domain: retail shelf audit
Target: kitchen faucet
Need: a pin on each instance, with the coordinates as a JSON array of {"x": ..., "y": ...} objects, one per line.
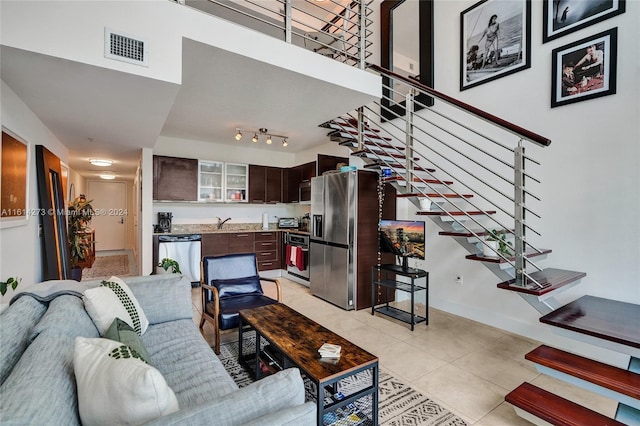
[{"x": 222, "y": 222}]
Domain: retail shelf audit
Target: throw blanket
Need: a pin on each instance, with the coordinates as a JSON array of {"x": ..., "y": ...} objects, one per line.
[{"x": 48, "y": 290}]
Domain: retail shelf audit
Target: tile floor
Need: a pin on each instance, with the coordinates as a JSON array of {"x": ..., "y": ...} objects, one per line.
[{"x": 465, "y": 366}]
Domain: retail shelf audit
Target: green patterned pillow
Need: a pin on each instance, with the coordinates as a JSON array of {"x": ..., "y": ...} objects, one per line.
[
  {"x": 117, "y": 388},
  {"x": 121, "y": 332},
  {"x": 114, "y": 299}
]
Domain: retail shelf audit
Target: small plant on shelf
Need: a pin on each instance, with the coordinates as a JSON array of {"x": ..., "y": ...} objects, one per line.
[
  {"x": 498, "y": 242},
  {"x": 168, "y": 263}
]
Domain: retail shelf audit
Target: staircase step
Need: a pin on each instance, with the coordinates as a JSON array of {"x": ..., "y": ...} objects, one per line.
[
  {"x": 615, "y": 379},
  {"x": 342, "y": 136},
  {"x": 550, "y": 279},
  {"x": 455, "y": 213},
  {"x": 346, "y": 123},
  {"x": 498, "y": 259},
  {"x": 467, "y": 234},
  {"x": 418, "y": 180},
  {"x": 354, "y": 144},
  {"x": 606, "y": 319},
  {"x": 555, "y": 409},
  {"x": 365, "y": 152},
  {"x": 434, "y": 195},
  {"x": 397, "y": 166}
]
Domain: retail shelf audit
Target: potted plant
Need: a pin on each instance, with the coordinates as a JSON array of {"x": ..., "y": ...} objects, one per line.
[
  {"x": 79, "y": 215},
  {"x": 10, "y": 282},
  {"x": 496, "y": 242},
  {"x": 168, "y": 266}
]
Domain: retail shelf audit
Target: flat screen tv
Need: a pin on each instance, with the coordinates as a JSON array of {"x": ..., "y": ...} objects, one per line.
[{"x": 404, "y": 238}]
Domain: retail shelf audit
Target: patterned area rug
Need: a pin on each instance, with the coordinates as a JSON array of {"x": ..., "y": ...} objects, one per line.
[
  {"x": 107, "y": 266},
  {"x": 399, "y": 404}
]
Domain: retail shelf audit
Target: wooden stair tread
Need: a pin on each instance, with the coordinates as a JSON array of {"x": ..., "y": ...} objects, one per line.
[
  {"x": 364, "y": 152},
  {"x": 550, "y": 279},
  {"x": 418, "y": 180},
  {"x": 467, "y": 234},
  {"x": 434, "y": 195},
  {"x": 555, "y": 409},
  {"x": 345, "y": 123},
  {"x": 397, "y": 166},
  {"x": 603, "y": 318},
  {"x": 454, "y": 213},
  {"x": 345, "y": 134},
  {"x": 497, "y": 259},
  {"x": 354, "y": 144},
  {"x": 607, "y": 376}
]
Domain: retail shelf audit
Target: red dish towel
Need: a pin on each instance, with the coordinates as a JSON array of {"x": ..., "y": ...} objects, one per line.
[
  {"x": 300, "y": 263},
  {"x": 288, "y": 258}
]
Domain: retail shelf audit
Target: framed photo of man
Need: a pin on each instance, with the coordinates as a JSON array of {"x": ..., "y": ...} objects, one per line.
[
  {"x": 561, "y": 17},
  {"x": 585, "y": 69},
  {"x": 495, "y": 40}
]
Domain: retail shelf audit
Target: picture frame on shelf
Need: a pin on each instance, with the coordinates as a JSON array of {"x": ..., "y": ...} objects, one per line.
[
  {"x": 585, "y": 69},
  {"x": 562, "y": 17},
  {"x": 495, "y": 41}
]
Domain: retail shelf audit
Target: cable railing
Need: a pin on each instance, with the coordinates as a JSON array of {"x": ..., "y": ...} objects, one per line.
[
  {"x": 334, "y": 28},
  {"x": 483, "y": 153}
]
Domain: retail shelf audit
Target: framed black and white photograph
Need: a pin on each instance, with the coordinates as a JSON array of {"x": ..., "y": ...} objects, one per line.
[
  {"x": 562, "y": 17},
  {"x": 495, "y": 40},
  {"x": 585, "y": 69}
]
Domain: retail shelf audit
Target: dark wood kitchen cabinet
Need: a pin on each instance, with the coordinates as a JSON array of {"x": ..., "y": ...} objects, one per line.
[
  {"x": 308, "y": 171},
  {"x": 291, "y": 186},
  {"x": 329, "y": 162},
  {"x": 175, "y": 179},
  {"x": 215, "y": 244},
  {"x": 265, "y": 184},
  {"x": 267, "y": 248}
]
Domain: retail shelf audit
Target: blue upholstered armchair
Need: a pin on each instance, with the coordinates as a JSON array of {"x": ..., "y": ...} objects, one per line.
[{"x": 231, "y": 283}]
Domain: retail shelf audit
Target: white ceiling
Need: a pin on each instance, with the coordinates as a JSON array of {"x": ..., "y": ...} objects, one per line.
[{"x": 102, "y": 113}]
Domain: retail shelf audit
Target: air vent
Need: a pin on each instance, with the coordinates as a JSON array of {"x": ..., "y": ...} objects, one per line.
[{"x": 124, "y": 47}]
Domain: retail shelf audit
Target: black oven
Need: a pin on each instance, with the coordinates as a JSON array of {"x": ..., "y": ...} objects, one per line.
[{"x": 297, "y": 257}]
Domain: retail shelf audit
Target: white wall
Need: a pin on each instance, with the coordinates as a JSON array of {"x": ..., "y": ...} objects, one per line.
[
  {"x": 20, "y": 246},
  {"x": 590, "y": 176}
]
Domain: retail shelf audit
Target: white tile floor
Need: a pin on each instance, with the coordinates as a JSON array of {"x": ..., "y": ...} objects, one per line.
[{"x": 465, "y": 366}]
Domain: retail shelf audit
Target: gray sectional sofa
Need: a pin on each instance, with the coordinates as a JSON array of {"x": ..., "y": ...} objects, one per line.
[{"x": 37, "y": 383}]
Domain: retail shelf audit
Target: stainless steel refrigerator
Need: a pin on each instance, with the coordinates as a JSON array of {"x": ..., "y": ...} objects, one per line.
[{"x": 338, "y": 206}]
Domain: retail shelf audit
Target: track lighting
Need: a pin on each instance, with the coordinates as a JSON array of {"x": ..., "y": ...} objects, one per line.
[{"x": 260, "y": 132}]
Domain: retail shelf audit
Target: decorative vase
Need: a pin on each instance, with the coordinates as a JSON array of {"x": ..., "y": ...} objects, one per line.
[
  {"x": 491, "y": 250},
  {"x": 160, "y": 270}
]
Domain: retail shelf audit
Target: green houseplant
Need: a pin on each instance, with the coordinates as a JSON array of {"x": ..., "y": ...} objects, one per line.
[
  {"x": 10, "y": 282},
  {"x": 497, "y": 242},
  {"x": 79, "y": 215},
  {"x": 168, "y": 266}
]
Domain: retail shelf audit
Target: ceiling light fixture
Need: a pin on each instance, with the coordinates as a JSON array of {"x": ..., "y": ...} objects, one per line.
[
  {"x": 100, "y": 163},
  {"x": 107, "y": 175},
  {"x": 261, "y": 132}
]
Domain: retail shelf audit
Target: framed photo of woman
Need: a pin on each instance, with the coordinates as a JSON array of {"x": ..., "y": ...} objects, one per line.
[
  {"x": 495, "y": 41},
  {"x": 562, "y": 17},
  {"x": 585, "y": 69}
]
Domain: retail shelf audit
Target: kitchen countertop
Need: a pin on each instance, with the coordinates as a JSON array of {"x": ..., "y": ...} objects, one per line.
[{"x": 226, "y": 229}]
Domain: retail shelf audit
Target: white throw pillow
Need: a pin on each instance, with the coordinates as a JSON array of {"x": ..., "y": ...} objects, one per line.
[
  {"x": 114, "y": 299},
  {"x": 114, "y": 388}
]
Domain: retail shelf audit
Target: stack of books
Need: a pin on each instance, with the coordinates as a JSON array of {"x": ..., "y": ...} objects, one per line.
[{"x": 327, "y": 350}]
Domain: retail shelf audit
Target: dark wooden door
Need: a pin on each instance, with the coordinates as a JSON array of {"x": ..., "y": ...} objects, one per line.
[
  {"x": 257, "y": 182},
  {"x": 273, "y": 185},
  {"x": 293, "y": 185}
]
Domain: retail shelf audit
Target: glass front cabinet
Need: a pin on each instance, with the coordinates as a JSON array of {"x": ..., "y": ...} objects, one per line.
[
  {"x": 211, "y": 179},
  {"x": 236, "y": 182}
]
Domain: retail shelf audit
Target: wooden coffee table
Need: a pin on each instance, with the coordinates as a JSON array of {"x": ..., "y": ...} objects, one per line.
[{"x": 294, "y": 341}]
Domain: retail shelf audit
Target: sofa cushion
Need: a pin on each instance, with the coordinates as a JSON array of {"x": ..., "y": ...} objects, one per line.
[
  {"x": 237, "y": 286},
  {"x": 120, "y": 331},
  {"x": 163, "y": 297},
  {"x": 116, "y": 387},
  {"x": 187, "y": 363},
  {"x": 113, "y": 299},
  {"x": 274, "y": 393},
  {"x": 16, "y": 323},
  {"x": 41, "y": 389}
]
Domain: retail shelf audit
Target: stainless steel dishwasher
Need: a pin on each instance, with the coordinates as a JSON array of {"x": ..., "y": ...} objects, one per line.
[{"x": 184, "y": 249}]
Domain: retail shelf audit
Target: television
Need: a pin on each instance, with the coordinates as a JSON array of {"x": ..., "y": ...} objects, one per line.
[{"x": 403, "y": 238}]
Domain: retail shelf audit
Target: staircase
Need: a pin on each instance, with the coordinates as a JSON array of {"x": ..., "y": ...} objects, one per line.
[{"x": 440, "y": 156}]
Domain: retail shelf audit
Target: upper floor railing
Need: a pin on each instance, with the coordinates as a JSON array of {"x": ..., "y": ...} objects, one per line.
[{"x": 333, "y": 28}]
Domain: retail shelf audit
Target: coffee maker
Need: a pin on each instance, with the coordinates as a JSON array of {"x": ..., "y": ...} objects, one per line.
[{"x": 164, "y": 222}]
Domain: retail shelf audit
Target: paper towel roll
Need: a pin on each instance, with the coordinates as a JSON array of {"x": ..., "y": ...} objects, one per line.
[{"x": 265, "y": 221}]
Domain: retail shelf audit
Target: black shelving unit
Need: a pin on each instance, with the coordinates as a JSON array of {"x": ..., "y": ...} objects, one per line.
[{"x": 385, "y": 276}]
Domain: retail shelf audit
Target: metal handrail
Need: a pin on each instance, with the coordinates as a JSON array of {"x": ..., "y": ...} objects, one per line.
[
  {"x": 414, "y": 128},
  {"x": 347, "y": 27}
]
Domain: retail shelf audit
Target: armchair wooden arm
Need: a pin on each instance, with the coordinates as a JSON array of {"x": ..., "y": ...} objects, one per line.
[{"x": 278, "y": 288}]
